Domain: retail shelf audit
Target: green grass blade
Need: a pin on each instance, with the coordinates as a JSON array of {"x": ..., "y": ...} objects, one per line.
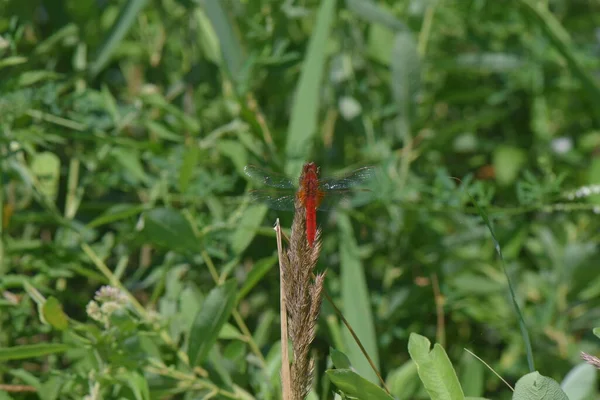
[
  {"x": 32, "y": 351},
  {"x": 560, "y": 39},
  {"x": 356, "y": 304},
  {"x": 513, "y": 296},
  {"x": 231, "y": 48},
  {"x": 116, "y": 34},
  {"x": 303, "y": 122}
]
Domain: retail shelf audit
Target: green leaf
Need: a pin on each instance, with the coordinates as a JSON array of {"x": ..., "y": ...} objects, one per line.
[
  {"x": 435, "y": 369},
  {"x": 580, "y": 382},
  {"x": 190, "y": 160},
  {"x": 340, "y": 360},
  {"x": 596, "y": 331},
  {"x": 471, "y": 375},
  {"x": 508, "y": 161},
  {"x": 247, "y": 227},
  {"x": 215, "y": 312},
  {"x": 117, "y": 32},
  {"x": 355, "y": 385},
  {"x": 207, "y": 37},
  {"x": 356, "y": 303},
  {"x": 380, "y": 43},
  {"x": 230, "y": 45},
  {"x": 167, "y": 227},
  {"x": 560, "y": 39},
  {"x": 161, "y": 131},
  {"x": 372, "y": 12},
  {"x": 403, "y": 382},
  {"x": 138, "y": 384},
  {"x": 260, "y": 268},
  {"x": 117, "y": 213},
  {"x": 132, "y": 166},
  {"x": 31, "y": 351},
  {"x": 303, "y": 121},
  {"x": 534, "y": 386},
  {"x": 235, "y": 151},
  {"x": 406, "y": 79},
  {"x": 54, "y": 314},
  {"x": 46, "y": 168}
]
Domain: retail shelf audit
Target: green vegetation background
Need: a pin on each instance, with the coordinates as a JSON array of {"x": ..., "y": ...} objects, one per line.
[{"x": 124, "y": 130}]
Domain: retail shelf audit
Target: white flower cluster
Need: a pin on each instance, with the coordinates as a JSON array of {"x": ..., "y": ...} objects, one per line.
[
  {"x": 584, "y": 191},
  {"x": 107, "y": 300}
]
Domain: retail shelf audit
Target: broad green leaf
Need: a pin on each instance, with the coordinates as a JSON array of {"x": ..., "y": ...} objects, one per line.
[
  {"x": 534, "y": 386},
  {"x": 435, "y": 369},
  {"x": 303, "y": 121},
  {"x": 508, "y": 161},
  {"x": 247, "y": 227},
  {"x": 403, "y": 382},
  {"x": 46, "y": 168},
  {"x": 260, "y": 268},
  {"x": 596, "y": 332},
  {"x": 580, "y": 382},
  {"x": 340, "y": 360},
  {"x": 355, "y": 385},
  {"x": 356, "y": 303},
  {"x": 215, "y": 312},
  {"x": 167, "y": 227},
  {"x": 31, "y": 351},
  {"x": 54, "y": 314}
]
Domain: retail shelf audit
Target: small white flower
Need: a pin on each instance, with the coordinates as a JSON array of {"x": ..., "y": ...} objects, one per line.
[{"x": 562, "y": 145}]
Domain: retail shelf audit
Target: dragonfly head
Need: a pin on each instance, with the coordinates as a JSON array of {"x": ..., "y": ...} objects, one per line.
[{"x": 310, "y": 168}]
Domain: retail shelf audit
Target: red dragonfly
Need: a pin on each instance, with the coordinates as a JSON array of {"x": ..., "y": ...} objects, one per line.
[{"x": 314, "y": 193}]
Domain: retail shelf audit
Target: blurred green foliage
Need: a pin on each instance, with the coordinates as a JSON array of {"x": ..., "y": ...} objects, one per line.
[{"x": 124, "y": 129}]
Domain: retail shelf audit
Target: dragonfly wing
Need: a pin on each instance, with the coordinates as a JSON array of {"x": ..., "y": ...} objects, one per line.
[
  {"x": 268, "y": 178},
  {"x": 353, "y": 179},
  {"x": 274, "y": 200},
  {"x": 337, "y": 198}
]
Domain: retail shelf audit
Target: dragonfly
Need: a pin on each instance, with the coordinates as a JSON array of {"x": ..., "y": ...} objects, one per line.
[{"x": 312, "y": 192}]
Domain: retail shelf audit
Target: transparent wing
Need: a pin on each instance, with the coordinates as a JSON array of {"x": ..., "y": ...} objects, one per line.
[
  {"x": 274, "y": 199},
  {"x": 268, "y": 178},
  {"x": 343, "y": 198},
  {"x": 348, "y": 181}
]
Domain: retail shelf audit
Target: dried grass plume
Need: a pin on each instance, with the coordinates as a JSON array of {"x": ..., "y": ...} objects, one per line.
[{"x": 303, "y": 300}]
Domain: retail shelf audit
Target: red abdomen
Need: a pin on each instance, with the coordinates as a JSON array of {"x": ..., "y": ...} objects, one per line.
[{"x": 311, "y": 219}]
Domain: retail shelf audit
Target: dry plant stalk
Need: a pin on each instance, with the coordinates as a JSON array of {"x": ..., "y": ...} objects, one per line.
[
  {"x": 590, "y": 359},
  {"x": 303, "y": 301}
]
